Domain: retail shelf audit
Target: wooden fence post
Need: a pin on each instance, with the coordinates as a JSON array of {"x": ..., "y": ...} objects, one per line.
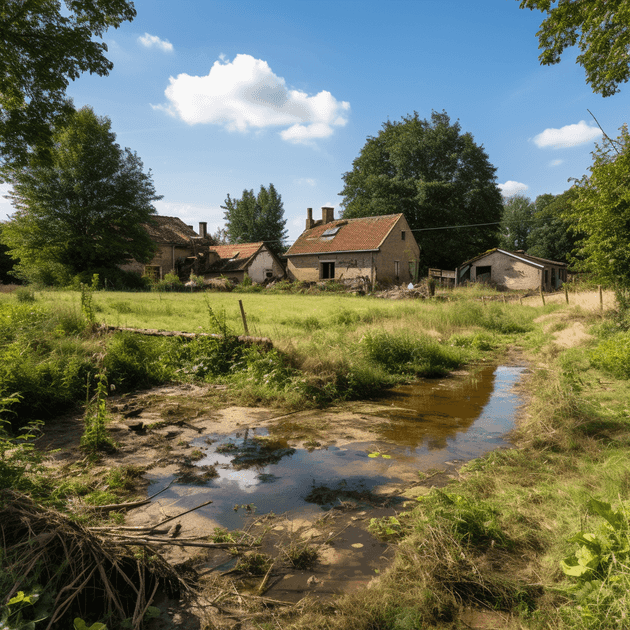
[
  {"x": 542, "y": 295},
  {"x": 601, "y": 299},
  {"x": 566, "y": 293},
  {"x": 240, "y": 303}
]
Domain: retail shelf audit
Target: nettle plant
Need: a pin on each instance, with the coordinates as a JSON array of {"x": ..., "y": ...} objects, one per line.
[{"x": 599, "y": 565}]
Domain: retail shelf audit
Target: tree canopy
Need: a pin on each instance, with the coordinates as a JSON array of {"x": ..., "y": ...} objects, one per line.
[
  {"x": 254, "y": 218},
  {"x": 551, "y": 235},
  {"x": 43, "y": 48},
  {"x": 600, "y": 30},
  {"x": 438, "y": 177},
  {"x": 600, "y": 211},
  {"x": 83, "y": 211},
  {"x": 516, "y": 222}
]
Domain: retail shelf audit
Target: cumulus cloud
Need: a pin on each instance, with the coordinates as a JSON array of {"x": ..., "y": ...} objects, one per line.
[
  {"x": 512, "y": 188},
  {"x": 567, "y": 136},
  {"x": 555, "y": 162},
  {"x": 191, "y": 214},
  {"x": 305, "y": 181},
  {"x": 245, "y": 94},
  {"x": 153, "y": 41}
]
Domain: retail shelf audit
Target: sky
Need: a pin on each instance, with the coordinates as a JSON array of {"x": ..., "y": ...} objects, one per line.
[{"x": 221, "y": 96}]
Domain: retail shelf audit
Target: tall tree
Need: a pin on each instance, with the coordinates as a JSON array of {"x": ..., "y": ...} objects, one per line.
[
  {"x": 83, "y": 211},
  {"x": 600, "y": 30},
  {"x": 437, "y": 177},
  {"x": 516, "y": 222},
  {"x": 551, "y": 235},
  {"x": 43, "y": 48},
  {"x": 600, "y": 211},
  {"x": 254, "y": 218}
]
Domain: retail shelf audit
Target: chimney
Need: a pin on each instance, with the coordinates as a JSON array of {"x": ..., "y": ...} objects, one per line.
[
  {"x": 203, "y": 229},
  {"x": 328, "y": 215},
  {"x": 309, "y": 218}
]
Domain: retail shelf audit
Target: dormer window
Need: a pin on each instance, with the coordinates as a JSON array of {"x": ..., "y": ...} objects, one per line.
[{"x": 403, "y": 234}]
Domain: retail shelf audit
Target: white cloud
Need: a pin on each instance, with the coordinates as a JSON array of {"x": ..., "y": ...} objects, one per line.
[
  {"x": 567, "y": 136},
  {"x": 556, "y": 162},
  {"x": 151, "y": 41},
  {"x": 6, "y": 209},
  {"x": 245, "y": 94},
  {"x": 305, "y": 181},
  {"x": 511, "y": 188}
]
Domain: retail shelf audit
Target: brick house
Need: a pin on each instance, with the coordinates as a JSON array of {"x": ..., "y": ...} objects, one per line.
[
  {"x": 380, "y": 249},
  {"x": 513, "y": 270}
]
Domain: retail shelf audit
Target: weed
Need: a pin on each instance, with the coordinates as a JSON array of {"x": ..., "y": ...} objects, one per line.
[
  {"x": 302, "y": 556},
  {"x": 95, "y": 437},
  {"x": 253, "y": 563},
  {"x": 25, "y": 295}
]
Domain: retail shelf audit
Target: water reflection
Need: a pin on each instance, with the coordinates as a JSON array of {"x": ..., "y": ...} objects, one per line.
[{"x": 427, "y": 424}]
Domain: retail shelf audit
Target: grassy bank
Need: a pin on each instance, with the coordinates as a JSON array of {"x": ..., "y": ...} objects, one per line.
[{"x": 537, "y": 536}]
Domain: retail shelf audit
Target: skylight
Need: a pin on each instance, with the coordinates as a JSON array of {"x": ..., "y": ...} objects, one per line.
[{"x": 331, "y": 231}]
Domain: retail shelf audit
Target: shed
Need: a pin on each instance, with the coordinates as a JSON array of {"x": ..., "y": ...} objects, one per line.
[{"x": 513, "y": 270}]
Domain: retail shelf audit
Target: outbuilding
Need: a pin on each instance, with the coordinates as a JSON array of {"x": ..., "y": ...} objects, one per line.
[{"x": 513, "y": 270}]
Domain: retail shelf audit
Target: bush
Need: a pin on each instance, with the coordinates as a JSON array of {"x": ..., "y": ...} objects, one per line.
[{"x": 25, "y": 294}]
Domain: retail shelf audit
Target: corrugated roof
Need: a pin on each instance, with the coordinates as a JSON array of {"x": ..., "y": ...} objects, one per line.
[
  {"x": 353, "y": 235},
  {"x": 169, "y": 230},
  {"x": 236, "y": 257}
]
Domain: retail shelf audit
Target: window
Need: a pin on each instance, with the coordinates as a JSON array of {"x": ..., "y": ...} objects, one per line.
[
  {"x": 327, "y": 270},
  {"x": 152, "y": 272},
  {"x": 484, "y": 274},
  {"x": 396, "y": 268},
  {"x": 403, "y": 235}
]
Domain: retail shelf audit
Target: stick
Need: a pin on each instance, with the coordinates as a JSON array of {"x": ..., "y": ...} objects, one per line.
[
  {"x": 177, "y": 543},
  {"x": 171, "y": 518},
  {"x": 126, "y": 506}
]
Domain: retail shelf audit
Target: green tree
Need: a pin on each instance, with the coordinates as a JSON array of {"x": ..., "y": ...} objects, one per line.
[
  {"x": 516, "y": 222},
  {"x": 551, "y": 236},
  {"x": 600, "y": 212},
  {"x": 436, "y": 176},
  {"x": 83, "y": 211},
  {"x": 42, "y": 48},
  {"x": 254, "y": 218},
  {"x": 600, "y": 30}
]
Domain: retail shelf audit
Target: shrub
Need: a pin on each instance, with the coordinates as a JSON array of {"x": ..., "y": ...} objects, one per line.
[
  {"x": 613, "y": 355},
  {"x": 25, "y": 294}
]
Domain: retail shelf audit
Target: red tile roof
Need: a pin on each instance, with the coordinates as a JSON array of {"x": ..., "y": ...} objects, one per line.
[
  {"x": 236, "y": 257},
  {"x": 354, "y": 235}
]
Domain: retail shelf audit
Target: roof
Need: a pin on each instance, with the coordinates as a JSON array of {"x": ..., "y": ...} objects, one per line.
[
  {"x": 533, "y": 260},
  {"x": 345, "y": 235},
  {"x": 169, "y": 230},
  {"x": 236, "y": 257}
]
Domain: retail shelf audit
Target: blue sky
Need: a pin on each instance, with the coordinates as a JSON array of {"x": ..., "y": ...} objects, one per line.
[{"x": 219, "y": 96}]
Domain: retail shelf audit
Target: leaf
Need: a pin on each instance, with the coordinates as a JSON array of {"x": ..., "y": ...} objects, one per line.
[
  {"x": 386, "y": 456},
  {"x": 614, "y": 519},
  {"x": 373, "y": 454}
]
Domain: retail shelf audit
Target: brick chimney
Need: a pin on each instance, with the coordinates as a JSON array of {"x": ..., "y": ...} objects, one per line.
[
  {"x": 309, "y": 218},
  {"x": 203, "y": 229},
  {"x": 328, "y": 215}
]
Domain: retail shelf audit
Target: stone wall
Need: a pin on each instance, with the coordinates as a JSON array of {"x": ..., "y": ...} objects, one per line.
[{"x": 261, "y": 265}]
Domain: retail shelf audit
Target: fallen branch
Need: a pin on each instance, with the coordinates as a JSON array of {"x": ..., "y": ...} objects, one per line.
[
  {"x": 125, "y": 506},
  {"x": 172, "y": 518},
  {"x": 138, "y": 540}
]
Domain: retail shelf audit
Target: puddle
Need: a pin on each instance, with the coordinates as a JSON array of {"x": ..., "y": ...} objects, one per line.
[{"x": 416, "y": 427}]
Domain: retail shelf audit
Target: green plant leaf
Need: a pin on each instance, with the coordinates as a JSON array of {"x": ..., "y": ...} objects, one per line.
[{"x": 614, "y": 519}]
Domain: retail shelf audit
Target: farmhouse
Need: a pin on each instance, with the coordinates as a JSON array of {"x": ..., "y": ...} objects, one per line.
[
  {"x": 175, "y": 242},
  {"x": 380, "y": 249},
  {"x": 513, "y": 270}
]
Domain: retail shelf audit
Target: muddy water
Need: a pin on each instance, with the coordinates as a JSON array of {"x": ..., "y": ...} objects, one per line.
[{"x": 429, "y": 424}]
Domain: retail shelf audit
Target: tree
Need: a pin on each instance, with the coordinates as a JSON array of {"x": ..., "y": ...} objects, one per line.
[
  {"x": 516, "y": 222},
  {"x": 600, "y": 29},
  {"x": 41, "y": 50},
  {"x": 551, "y": 236},
  {"x": 84, "y": 211},
  {"x": 600, "y": 211},
  {"x": 436, "y": 176},
  {"x": 256, "y": 218}
]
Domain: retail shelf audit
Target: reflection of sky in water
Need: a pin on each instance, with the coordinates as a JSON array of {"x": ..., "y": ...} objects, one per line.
[{"x": 428, "y": 423}]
